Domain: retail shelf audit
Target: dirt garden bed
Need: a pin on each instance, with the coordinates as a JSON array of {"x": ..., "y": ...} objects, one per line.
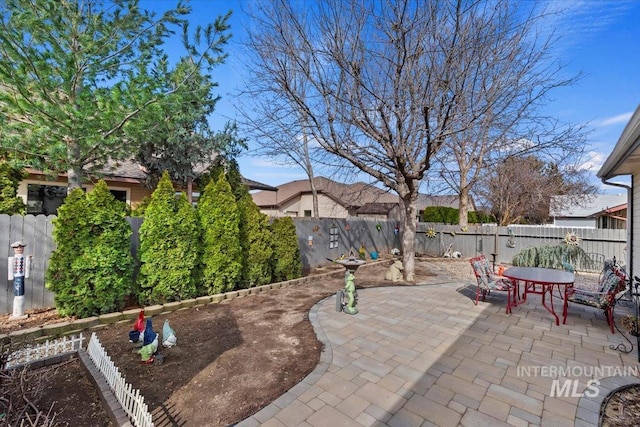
[{"x": 232, "y": 358}]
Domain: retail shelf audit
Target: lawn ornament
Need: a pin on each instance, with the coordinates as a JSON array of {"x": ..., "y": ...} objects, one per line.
[
  {"x": 394, "y": 273},
  {"x": 350, "y": 293},
  {"x": 136, "y": 335},
  {"x": 149, "y": 344},
  {"x": 19, "y": 269},
  {"x": 362, "y": 252},
  {"x": 169, "y": 338}
]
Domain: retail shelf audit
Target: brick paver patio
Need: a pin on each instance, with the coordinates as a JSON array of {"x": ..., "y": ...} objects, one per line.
[{"x": 427, "y": 356}]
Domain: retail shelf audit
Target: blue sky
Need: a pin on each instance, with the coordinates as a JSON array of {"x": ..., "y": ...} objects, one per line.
[{"x": 600, "y": 38}]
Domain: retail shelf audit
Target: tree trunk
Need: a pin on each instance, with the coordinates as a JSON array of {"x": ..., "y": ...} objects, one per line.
[
  {"x": 409, "y": 236},
  {"x": 314, "y": 197},
  {"x": 463, "y": 207},
  {"x": 190, "y": 190},
  {"x": 74, "y": 172}
]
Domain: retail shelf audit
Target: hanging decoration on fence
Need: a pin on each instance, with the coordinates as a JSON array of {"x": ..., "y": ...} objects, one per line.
[
  {"x": 511, "y": 242},
  {"x": 571, "y": 239},
  {"x": 430, "y": 233}
]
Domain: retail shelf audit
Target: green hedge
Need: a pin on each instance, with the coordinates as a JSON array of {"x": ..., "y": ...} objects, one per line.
[{"x": 91, "y": 270}]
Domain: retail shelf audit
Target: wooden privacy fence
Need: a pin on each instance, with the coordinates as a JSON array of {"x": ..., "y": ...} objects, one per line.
[
  {"x": 130, "y": 399},
  {"x": 318, "y": 240},
  {"x": 36, "y": 232}
]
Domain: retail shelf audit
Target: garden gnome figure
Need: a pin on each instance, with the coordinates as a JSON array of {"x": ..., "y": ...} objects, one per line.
[
  {"x": 19, "y": 269},
  {"x": 350, "y": 292}
]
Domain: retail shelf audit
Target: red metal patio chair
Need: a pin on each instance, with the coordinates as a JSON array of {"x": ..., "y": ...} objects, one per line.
[
  {"x": 613, "y": 281},
  {"x": 487, "y": 281}
]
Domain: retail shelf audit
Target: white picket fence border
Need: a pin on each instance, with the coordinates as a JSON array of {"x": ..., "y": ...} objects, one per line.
[
  {"x": 50, "y": 348},
  {"x": 131, "y": 400}
]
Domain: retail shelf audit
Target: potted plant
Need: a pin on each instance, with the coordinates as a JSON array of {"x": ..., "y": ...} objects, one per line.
[{"x": 630, "y": 323}]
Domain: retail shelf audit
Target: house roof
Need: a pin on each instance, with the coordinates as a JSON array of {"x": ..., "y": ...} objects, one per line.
[
  {"x": 625, "y": 157},
  {"x": 590, "y": 205},
  {"x": 129, "y": 171},
  {"x": 610, "y": 211},
  {"x": 349, "y": 195},
  {"x": 376, "y": 208}
]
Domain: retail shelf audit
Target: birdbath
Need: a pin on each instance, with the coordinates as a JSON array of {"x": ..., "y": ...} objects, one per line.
[{"x": 351, "y": 265}]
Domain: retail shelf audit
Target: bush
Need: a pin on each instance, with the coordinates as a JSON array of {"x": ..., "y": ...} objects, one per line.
[
  {"x": 222, "y": 252},
  {"x": 258, "y": 259},
  {"x": 474, "y": 217},
  {"x": 10, "y": 178},
  {"x": 548, "y": 256},
  {"x": 169, "y": 252},
  {"x": 91, "y": 270},
  {"x": 440, "y": 214},
  {"x": 286, "y": 251}
]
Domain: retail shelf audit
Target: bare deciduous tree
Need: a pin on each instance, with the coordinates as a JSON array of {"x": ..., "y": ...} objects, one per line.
[
  {"x": 521, "y": 189},
  {"x": 385, "y": 85}
]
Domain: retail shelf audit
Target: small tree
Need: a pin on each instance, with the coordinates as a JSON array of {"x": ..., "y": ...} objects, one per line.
[
  {"x": 91, "y": 270},
  {"x": 286, "y": 251},
  {"x": 258, "y": 249},
  {"x": 10, "y": 178},
  {"x": 169, "y": 253},
  {"x": 222, "y": 252}
]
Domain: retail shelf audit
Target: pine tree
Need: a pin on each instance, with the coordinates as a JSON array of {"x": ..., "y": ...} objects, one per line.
[
  {"x": 169, "y": 253},
  {"x": 222, "y": 252}
]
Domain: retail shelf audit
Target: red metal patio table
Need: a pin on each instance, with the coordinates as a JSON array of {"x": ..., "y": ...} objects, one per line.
[{"x": 540, "y": 281}]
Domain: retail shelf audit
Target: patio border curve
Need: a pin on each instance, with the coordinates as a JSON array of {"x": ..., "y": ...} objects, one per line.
[{"x": 588, "y": 413}]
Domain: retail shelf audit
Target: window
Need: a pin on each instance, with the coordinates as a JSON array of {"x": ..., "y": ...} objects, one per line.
[
  {"x": 307, "y": 214},
  {"x": 45, "y": 199},
  {"x": 119, "y": 195}
]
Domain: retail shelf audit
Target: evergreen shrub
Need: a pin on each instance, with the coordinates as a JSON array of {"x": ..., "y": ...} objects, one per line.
[
  {"x": 286, "y": 251},
  {"x": 258, "y": 259},
  {"x": 477, "y": 217},
  {"x": 222, "y": 251},
  {"x": 91, "y": 270},
  {"x": 169, "y": 247},
  {"x": 440, "y": 214},
  {"x": 10, "y": 178}
]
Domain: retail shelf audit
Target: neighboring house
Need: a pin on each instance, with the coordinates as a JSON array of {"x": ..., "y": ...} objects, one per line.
[
  {"x": 338, "y": 200},
  {"x": 612, "y": 218},
  {"x": 335, "y": 200},
  {"x": 381, "y": 211},
  {"x": 593, "y": 211},
  {"x": 126, "y": 183},
  {"x": 625, "y": 160}
]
